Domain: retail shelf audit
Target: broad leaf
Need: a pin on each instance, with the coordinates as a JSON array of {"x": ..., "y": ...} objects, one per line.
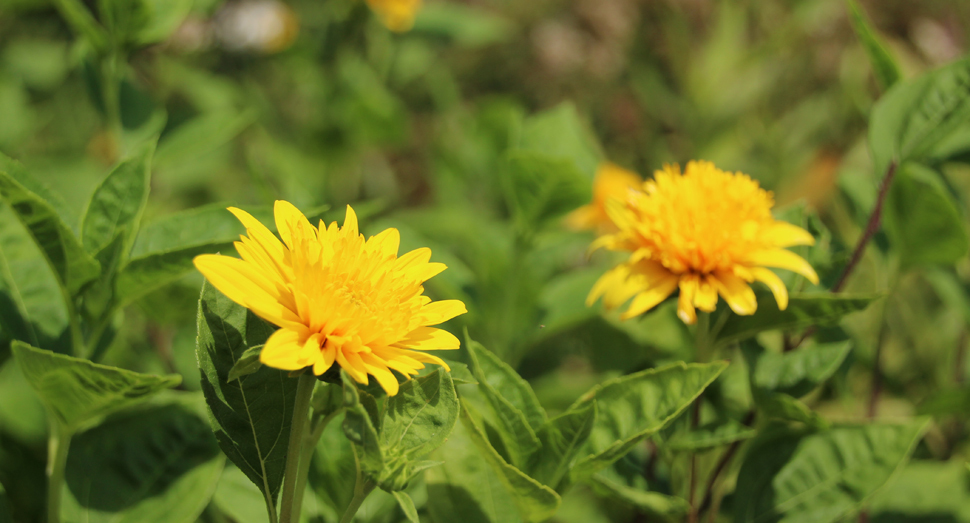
[
  {"x": 511, "y": 398},
  {"x": 633, "y": 407},
  {"x": 924, "y": 491},
  {"x": 796, "y": 476},
  {"x": 407, "y": 506},
  {"x": 420, "y": 416},
  {"x": 659, "y": 505},
  {"x": 560, "y": 133},
  {"x": 562, "y": 438},
  {"x": 804, "y": 310},
  {"x": 333, "y": 462},
  {"x": 535, "y": 501},
  {"x": 361, "y": 426},
  {"x": 884, "y": 67},
  {"x": 143, "y": 275},
  {"x": 200, "y": 135},
  {"x": 710, "y": 436},
  {"x": 5, "y": 516},
  {"x": 76, "y": 391},
  {"x": 542, "y": 187},
  {"x": 916, "y": 115},
  {"x": 922, "y": 219},
  {"x": 247, "y": 364},
  {"x": 781, "y": 406},
  {"x": 158, "y": 464},
  {"x": 62, "y": 250},
  {"x": 250, "y": 416},
  {"x": 32, "y": 307},
  {"x": 118, "y": 202},
  {"x": 796, "y": 372}
]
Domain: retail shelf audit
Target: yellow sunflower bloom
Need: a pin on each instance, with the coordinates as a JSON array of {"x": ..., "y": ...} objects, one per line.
[
  {"x": 704, "y": 231},
  {"x": 336, "y": 297},
  {"x": 612, "y": 182},
  {"x": 396, "y": 15}
]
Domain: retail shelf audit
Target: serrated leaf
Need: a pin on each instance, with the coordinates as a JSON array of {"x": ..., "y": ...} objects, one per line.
[
  {"x": 562, "y": 438},
  {"x": 884, "y": 66},
  {"x": 633, "y": 407},
  {"x": 250, "y": 416},
  {"x": 407, "y": 506},
  {"x": 710, "y": 436},
  {"x": 118, "y": 202},
  {"x": 795, "y": 476},
  {"x": 360, "y": 427},
  {"x": 515, "y": 426},
  {"x": 804, "y": 310},
  {"x": 796, "y": 372},
  {"x": 420, "y": 416},
  {"x": 923, "y": 220},
  {"x": 913, "y": 117},
  {"x": 62, "y": 250},
  {"x": 654, "y": 503},
  {"x": 535, "y": 501},
  {"x": 247, "y": 364},
  {"x": 76, "y": 391},
  {"x": 158, "y": 464},
  {"x": 780, "y": 406}
]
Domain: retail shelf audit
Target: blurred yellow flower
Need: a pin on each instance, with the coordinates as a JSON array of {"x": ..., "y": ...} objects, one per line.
[
  {"x": 336, "y": 297},
  {"x": 397, "y": 15},
  {"x": 705, "y": 231},
  {"x": 612, "y": 182}
]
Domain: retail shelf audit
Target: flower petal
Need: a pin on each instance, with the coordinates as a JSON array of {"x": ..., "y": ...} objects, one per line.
[
  {"x": 685, "y": 303},
  {"x": 782, "y": 259},
  {"x": 736, "y": 292},
  {"x": 440, "y": 312},
  {"x": 774, "y": 283},
  {"x": 260, "y": 233},
  {"x": 290, "y": 222},
  {"x": 784, "y": 234},
  {"x": 649, "y": 298},
  {"x": 243, "y": 284},
  {"x": 429, "y": 338},
  {"x": 285, "y": 350},
  {"x": 350, "y": 361},
  {"x": 706, "y": 297}
]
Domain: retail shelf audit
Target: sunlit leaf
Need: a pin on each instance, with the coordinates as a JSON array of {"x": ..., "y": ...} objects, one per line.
[
  {"x": 796, "y": 372},
  {"x": 710, "y": 436},
  {"x": 654, "y": 503},
  {"x": 562, "y": 438},
  {"x": 804, "y": 310}
]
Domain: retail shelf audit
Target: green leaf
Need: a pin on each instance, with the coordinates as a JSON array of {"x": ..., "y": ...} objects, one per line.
[
  {"x": 804, "y": 310},
  {"x": 407, "y": 506},
  {"x": 562, "y": 438},
  {"x": 923, "y": 220},
  {"x": 361, "y": 427},
  {"x": 924, "y": 491},
  {"x": 797, "y": 372},
  {"x": 76, "y": 391},
  {"x": 466, "y": 25},
  {"x": 166, "y": 16},
  {"x": 780, "y": 406},
  {"x": 32, "y": 307},
  {"x": 118, "y": 202},
  {"x": 327, "y": 398},
  {"x": 238, "y": 499},
  {"x": 915, "y": 116},
  {"x": 5, "y": 516},
  {"x": 542, "y": 188},
  {"x": 560, "y": 133},
  {"x": 535, "y": 501},
  {"x": 333, "y": 463},
  {"x": 795, "y": 476},
  {"x": 247, "y": 364},
  {"x": 143, "y": 275},
  {"x": 158, "y": 464},
  {"x": 633, "y": 407},
  {"x": 250, "y": 416},
  {"x": 420, "y": 416},
  {"x": 710, "y": 436},
  {"x": 460, "y": 375},
  {"x": 884, "y": 66},
  {"x": 653, "y": 503},
  {"x": 199, "y": 136},
  {"x": 62, "y": 250},
  {"x": 510, "y": 405}
]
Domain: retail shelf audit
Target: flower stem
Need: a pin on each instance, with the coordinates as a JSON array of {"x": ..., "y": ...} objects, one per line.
[
  {"x": 312, "y": 437},
  {"x": 289, "y": 510},
  {"x": 362, "y": 488},
  {"x": 57, "y": 445}
]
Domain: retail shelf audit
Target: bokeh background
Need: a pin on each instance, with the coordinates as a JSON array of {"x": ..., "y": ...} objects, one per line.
[{"x": 316, "y": 102}]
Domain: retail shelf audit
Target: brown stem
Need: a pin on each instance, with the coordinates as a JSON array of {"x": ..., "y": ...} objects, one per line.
[{"x": 872, "y": 226}]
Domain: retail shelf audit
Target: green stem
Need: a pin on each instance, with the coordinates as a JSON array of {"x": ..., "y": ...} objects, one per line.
[
  {"x": 57, "y": 445},
  {"x": 362, "y": 488},
  {"x": 289, "y": 511},
  {"x": 110, "y": 83},
  {"x": 309, "y": 444}
]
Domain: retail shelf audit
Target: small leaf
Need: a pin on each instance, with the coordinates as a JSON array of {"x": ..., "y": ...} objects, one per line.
[
  {"x": 535, "y": 501},
  {"x": 710, "y": 436},
  {"x": 883, "y": 64},
  {"x": 158, "y": 464},
  {"x": 562, "y": 438},
  {"x": 143, "y": 275},
  {"x": 77, "y": 391},
  {"x": 359, "y": 427},
  {"x": 118, "y": 202},
  {"x": 407, "y": 506},
  {"x": 62, "y": 250},
  {"x": 780, "y": 406},
  {"x": 460, "y": 375},
  {"x": 420, "y": 416},
  {"x": 796, "y": 476},
  {"x": 200, "y": 135},
  {"x": 653, "y": 503},
  {"x": 247, "y": 364},
  {"x": 250, "y": 416},
  {"x": 542, "y": 188},
  {"x": 327, "y": 398},
  {"x": 166, "y": 16},
  {"x": 633, "y": 407},
  {"x": 515, "y": 425},
  {"x": 797, "y": 372},
  {"x": 922, "y": 219},
  {"x": 560, "y": 133},
  {"x": 804, "y": 310}
]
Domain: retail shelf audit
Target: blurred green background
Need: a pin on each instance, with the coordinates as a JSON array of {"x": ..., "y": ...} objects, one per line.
[{"x": 315, "y": 102}]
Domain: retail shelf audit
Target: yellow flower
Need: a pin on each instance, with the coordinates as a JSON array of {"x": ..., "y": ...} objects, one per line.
[
  {"x": 397, "y": 15},
  {"x": 705, "y": 231},
  {"x": 612, "y": 182},
  {"x": 336, "y": 297}
]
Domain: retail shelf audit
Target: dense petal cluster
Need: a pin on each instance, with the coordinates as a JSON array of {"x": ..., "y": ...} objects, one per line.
[
  {"x": 396, "y": 15},
  {"x": 336, "y": 297},
  {"x": 704, "y": 231},
  {"x": 612, "y": 182}
]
